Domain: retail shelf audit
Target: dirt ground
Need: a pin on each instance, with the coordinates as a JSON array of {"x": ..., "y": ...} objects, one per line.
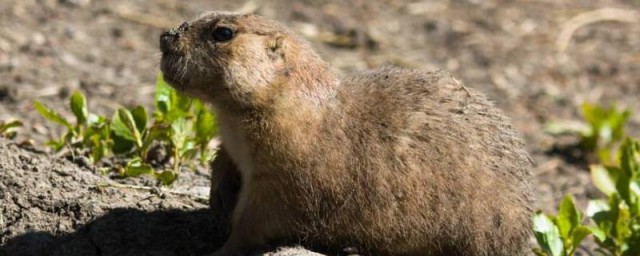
[{"x": 533, "y": 57}]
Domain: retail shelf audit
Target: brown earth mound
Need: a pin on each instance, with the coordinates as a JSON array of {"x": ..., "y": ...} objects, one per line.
[{"x": 50, "y": 206}]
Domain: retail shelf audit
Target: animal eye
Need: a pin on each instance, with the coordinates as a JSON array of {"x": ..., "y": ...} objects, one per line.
[{"x": 222, "y": 34}]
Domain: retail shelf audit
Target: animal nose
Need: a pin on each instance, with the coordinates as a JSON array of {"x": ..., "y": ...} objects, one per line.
[
  {"x": 170, "y": 32},
  {"x": 168, "y": 39},
  {"x": 184, "y": 27}
]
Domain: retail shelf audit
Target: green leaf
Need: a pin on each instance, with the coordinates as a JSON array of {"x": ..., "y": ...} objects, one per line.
[
  {"x": 179, "y": 132},
  {"x": 608, "y": 221},
  {"x": 97, "y": 125},
  {"x": 140, "y": 118},
  {"x": 180, "y": 102},
  {"x": 130, "y": 123},
  {"x": 628, "y": 182},
  {"x": 119, "y": 127},
  {"x": 579, "y": 233},
  {"x": 547, "y": 235},
  {"x": 124, "y": 126},
  {"x": 635, "y": 194},
  {"x": 136, "y": 167},
  {"x": 623, "y": 186},
  {"x": 57, "y": 145},
  {"x": 600, "y": 234},
  {"x": 121, "y": 145},
  {"x": 593, "y": 116},
  {"x": 602, "y": 179},
  {"x": 539, "y": 252},
  {"x": 205, "y": 125},
  {"x": 166, "y": 177},
  {"x": 6, "y": 126},
  {"x": 51, "y": 115},
  {"x": 98, "y": 138},
  {"x": 605, "y": 156},
  {"x": 155, "y": 133},
  {"x": 618, "y": 121},
  {"x": 606, "y": 127},
  {"x": 566, "y": 127},
  {"x": 170, "y": 105},
  {"x": 188, "y": 152},
  {"x": 99, "y": 148},
  {"x": 606, "y": 133},
  {"x": 623, "y": 227},
  {"x": 596, "y": 206},
  {"x": 9, "y": 129},
  {"x": 568, "y": 217},
  {"x": 162, "y": 97},
  {"x": 175, "y": 114},
  {"x": 79, "y": 107},
  {"x": 207, "y": 156},
  {"x": 629, "y": 162}
]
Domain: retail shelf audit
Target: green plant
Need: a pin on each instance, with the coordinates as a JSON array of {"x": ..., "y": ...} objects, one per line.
[
  {"x": 9, "y": 129},
  {"x": 601, "y": 130},
  {"x": 615, "y": 220},
  {"x": 560, "y": 235},
  {"x": 187, "y": 123},
  {"x": 606, "y": 128},
  {"x": 182, "y": 126}
]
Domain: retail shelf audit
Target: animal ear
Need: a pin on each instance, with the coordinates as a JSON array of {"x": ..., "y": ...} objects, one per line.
[{"x": 276, "y": 43}]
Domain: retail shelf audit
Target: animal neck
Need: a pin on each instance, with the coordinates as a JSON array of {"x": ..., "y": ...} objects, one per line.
[
  {"x": 289, "y": 119},
  {"x": 311, "y": 85}
]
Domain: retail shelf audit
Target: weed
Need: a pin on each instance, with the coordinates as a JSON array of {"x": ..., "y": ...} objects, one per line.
[
  {"x": 182, "y": 126},
  {"x": 615, "y": 221},
  {"x": 9, "y": 129},
  {"x": 606, "y": 129},
  {"x": 560, "y": 235},
  {"x": 600, "y": 132}
]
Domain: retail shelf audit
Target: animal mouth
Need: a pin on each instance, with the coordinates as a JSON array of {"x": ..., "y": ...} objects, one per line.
[
  {"x": 173, "y": 69},
  {"x": 173, "y": 63},
  {"x": 169, "y": 41},
  {"x": 171, "y": 60}
]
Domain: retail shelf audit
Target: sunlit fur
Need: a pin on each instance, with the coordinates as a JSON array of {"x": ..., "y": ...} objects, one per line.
[{"x": 392, "y": 161}]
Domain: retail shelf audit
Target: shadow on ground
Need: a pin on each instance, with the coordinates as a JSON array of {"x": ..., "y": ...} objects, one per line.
[{"x": 124, "y": 231}]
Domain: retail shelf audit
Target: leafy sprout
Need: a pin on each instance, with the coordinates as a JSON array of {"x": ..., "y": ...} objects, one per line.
[
  {"x": 9, "y": 128},
  {"x": 181, "y": 125},
  {"x": 601, "y": 131},
  {"x": 615, "y": 220}
]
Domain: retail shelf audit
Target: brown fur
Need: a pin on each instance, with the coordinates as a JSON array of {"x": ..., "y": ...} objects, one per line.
[{"x": 394, "y": 161}]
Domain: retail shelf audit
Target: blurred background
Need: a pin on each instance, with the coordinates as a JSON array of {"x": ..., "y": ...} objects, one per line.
[{"x": 540, "y": 60}]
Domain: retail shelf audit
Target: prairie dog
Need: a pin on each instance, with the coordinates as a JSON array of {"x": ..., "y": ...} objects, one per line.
[{"x": 393, "y": 161}]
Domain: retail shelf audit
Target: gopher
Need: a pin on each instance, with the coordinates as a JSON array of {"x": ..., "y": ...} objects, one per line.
[{"x": 391, "y": 161}]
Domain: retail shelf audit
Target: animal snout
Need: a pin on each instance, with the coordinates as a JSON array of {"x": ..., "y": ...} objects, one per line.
[{"x": 169, "y": 38}]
